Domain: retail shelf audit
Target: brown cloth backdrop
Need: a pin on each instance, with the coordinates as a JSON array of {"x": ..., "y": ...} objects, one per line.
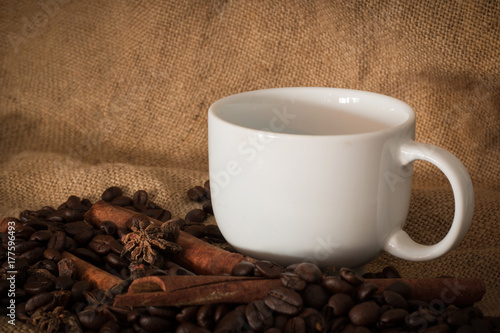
[{"x": 101, "y": 93}]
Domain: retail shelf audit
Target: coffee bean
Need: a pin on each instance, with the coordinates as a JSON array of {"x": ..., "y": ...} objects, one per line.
[
  {"x": 205, "y": 316},
  {"x": 395, "y": 300},
  {"x": 23, "y": 246},
  {"x": 72, "y": 215},
  {"x": 155, "y": 324},
  {"x": 196, "y": 193},
  {"x": 268, "y": 269},
  {"x": 116, "y": 247},
  {"x": 259, "y": 315},
  {"x": 101, "y": 244},
  {"x": 315, "y": 321},
  {"x": 207, "y": 207},
  {"x": 195, "y": 216},
  {"x": 110, "y": 327},
  {"x": 109, "y": 227},
  {"x": 187, "y": 314},
  {"x": 84, "y": 237},
  {"x": 92, "y": 319},
  {"x": 340, "y": 304},
  {"x": 197, "y": 230},
  {"x": 115, "y": 261},
  {"x": 337, "y": 285},
  {"x": 212, "y": 232},
  {"x": 140, "y": 199},
  {"x": 24, "y": 232},
  {"x": 364, "y": 313},
  {"x": 32, "y": 256},
  {"x": 233, "y": 322},
  {"x": 70, "y": 244},
  {"x": 52, "y": 254},
  {"x": 41, "y": 236},
  {"x": 164, "y": 216},
  {"x": 443, "y": 328},
  {"x": 401, "y": 288},
  {"x": 284, "y": 300},
  {"x": 420, "y": 319},
  {"x": 350, "y": 328},
  {"x": 78, "y": 289},
  {"x": 351, "y": 276},
  {"x": 122, "y": 232},
  {"x": 164, "y": 311},
  {"x": 36, "y": 224},
  {"x": 292, "y": 281},
  {"x": 243, "y": 268},
  {"x": 64, "y": 283},
  {"x": 315, "y": 296},
  {"x": 21, "y": 313},
  {"x": 391, "y": 272},
  {"x": 220, "y": 311},
  {"x": 57, "y": 241},
  {"x": 337, "y": 324},
  {"x": 393, "y": 317},
  {"x": 308, "y": 272},
  {"x": 86, "y": 254},
  {"x": 111, "y": 193},
  {"x": 122, "y": 201},
  {"x": 38, "y": 301},
  {"x": 273, "y": 330},
  {"x": 38, "y": 286},
  {"x": 206, "y": 187},
  {"x": 188, "y": 327},
  {"x": 365, "y": 291},
  {"x": 153, "y": 213}
]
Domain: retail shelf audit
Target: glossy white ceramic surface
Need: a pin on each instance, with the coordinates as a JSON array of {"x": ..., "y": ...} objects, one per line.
[{"x": 322, "y": 175}]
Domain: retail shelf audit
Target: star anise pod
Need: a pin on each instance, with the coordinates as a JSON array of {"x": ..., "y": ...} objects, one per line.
[
  {"x": 148, "y": 239},
  {"x": 55, "y": 321}
]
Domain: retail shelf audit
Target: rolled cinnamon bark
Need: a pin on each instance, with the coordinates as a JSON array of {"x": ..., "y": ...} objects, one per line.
[
  {"x": 196, "y": 255},
  {"x": 97, "y": 277}
]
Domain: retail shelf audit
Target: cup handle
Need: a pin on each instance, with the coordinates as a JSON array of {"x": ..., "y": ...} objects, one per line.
[{"x": 399, "y": 242}]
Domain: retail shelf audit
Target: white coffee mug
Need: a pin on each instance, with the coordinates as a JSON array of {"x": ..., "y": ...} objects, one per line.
[{"x": 323, "y": 175}]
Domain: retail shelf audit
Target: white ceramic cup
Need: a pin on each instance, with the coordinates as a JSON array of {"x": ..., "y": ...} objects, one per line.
[{"x": 323, "y": 175}]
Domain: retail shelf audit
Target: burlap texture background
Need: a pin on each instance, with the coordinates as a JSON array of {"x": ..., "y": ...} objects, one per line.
[{"x": 94, "y": 94}]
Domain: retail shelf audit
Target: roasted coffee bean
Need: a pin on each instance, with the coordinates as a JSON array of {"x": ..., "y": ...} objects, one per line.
[
  {"x": 205, "y": 316},
  {"x": 64, "y": 283},
  {"x": 32, "y": 256},
  {"x": 164, "y": 311},
  {"x": 364, "y": 313},
  {"x": 206, "y": 187},
  {"x": 86, "y": 254},
  {"x": 195, "y": 216},
  {"x": 207, "y": 207},
  {"x": 420, "y": 319},
  {"x": 115, "y": 261},
  {"x": 101, "y": 244},
  {"x": 259, "y": 315},
  {"x": 165, "y": 216},
  {"x": 233, "y": 322},
  {"x": 268, "y": 269},
  {"x": 110, "y": 327},
  {"x": 337, "y": 324},
  {"x": 66, "y": 267},
  {"x": 52, "y": 254},
  {"x": 123, "y": 201},
  {"x": 284, "y": 300},
  {"x": 443, "y": 328},
  {"x": 92, "y": 319},
  {"x": 74, "y": 202},
  {"x": 273, "y": 330},
  {"x": 350, "y": 328},
  {"x": 196, "y": 193},
  {"x": 466, "y": 329},
  {"x": 292, "y": 281},
  {"x": 36, "y": 224},
  {"x": 391, "y": 272},
  {"x": 74, "y": 228},
  {"x": 177, "y": 271},
  {"x": 109, "y": 227},
  {"x": 111, "y": 193},
  {"x": 78, "y": 289},
  {"x": 84, "y": 237},
  {"x": 155, "y": 324},
  {"x": 135, "y": 314},
  {"x": 401, "y": 288},
  {"x": 395, "y": 300},
  {"x": 295, "y": 325},
  {"x": 392, "y": 317},
  {"x": 315, "y": 296},
  {"x": 70, "y": 244},
  {"x": 365, "y": 291},
  {"x": 187, "y": 314},
  {"x": 308, "y": 272},
  {"x": 220, "y": 311},
  {"x": 197, "y": 230},
  {"x": 116, "y": 247},
  {"x": 38, "y": 301},
  {"x": 57, "y": 241},
  {"x": 140, "y": 199},
  {"x": 351, "y": 276},
  {"x": 243, "y": 268},
  {"x": 38, "y": 286},
  {"x": 138, "y": 221},
  {"x": 41, "y": 236},
  {"x": 72, "y": 215},
  {"x": 23, "y": 246},
  {"x": 337, "y": 285},
  {"x": 24, "y": 232},
  {"x": 153, "y": 213},
  {"x": 340, "y": 304},
  {"x": 212, "y": 232},
  {"x": 315, "y": 321},
  {"x": 122, "y": 232},
  {"x": 21, "y": 313},
  {"x": 188, "y": 327}
]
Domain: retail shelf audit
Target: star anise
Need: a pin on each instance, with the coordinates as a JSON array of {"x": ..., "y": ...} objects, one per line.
[
  {"x": 147, "y": 240},
  {"x": 55, "y": 321},
  {"x": 99, "y": 310}
]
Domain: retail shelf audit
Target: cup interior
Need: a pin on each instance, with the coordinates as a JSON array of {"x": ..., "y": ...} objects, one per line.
[{"x": 313, "y": 111}]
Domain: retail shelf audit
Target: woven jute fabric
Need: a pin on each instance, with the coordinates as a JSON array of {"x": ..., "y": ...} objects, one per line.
[{"x": 95, "y": 94}]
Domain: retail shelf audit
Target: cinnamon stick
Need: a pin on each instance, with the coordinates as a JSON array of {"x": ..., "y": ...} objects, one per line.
[
  {"x": 196, "y": 255},
  {"x": 97, "y": 277},
  {"x": 199, "y": 290}
]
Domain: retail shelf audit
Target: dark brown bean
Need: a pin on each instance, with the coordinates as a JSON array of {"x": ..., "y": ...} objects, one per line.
[
  {"x": 36, "y": 224},
  {"x": 213, "y": 233},
  {"x": 365, "y": 291},
  {"x": 109, "y": 227},
  {"x": 38, "y": 286},
  {"x": 196, "y": 193},
  {"x": 41, "y": 236},
  {"x": 292, "y": 281},
  {"x": 111, "y": 193},
  {"x": 153, "y": 213},
  {"x": 155, "y": 324},
  {"x": 188, "y": 327},
  {"x": 84, "y": 237},
  {"x": 284, "y": 300},
  {"x": 337, "y": 285},
  {"x": 205, "y": 316},
  {"x": 32, "y": 256},
  {"x": 165, "y": 311},
  {"x": 340, "y": 304},
  {"x": 443, "y": 328},
  {"x": 233, "y": 322},
  {"x": 390, "y": 272},
  {"x": 23, "y": 246},
  {"x": 57, "y": 241},
  {"x": 393, "y": 317},
  {"x": 78, "y": 289},
  {"x": 115, "y": 261},
  {"x": 295, "y": 325},
  {"x": 92, "y": 319},
  {"x": 308, "y": 272},
  {"x": 165, "y": 215},
  {"x": 86, "y": 254},
  {"x": 187, "y": 314},
  {"x": 268, "y": 269},
  {"x": 395, "y": 300},
  {"x": 123, "y": 201},
  {"x": 401, "y": 288},
  {"x": 259, "y": 315},
  {"x": 195, "y": 216},
  {"x": 110, "y": 327},
  {"x": 243, "y": 268},
  {"x": 116, "y": 246},
  {"x": 70, "y": 244},
  {"x": 220, "y": 311},
  {"x": 24, "y": 232},
  {"x": 364, "y": 313},
  {"x": 140, "y": 199},
  {"x": 350, "y": 328},
  {"x": 315, "y": 296},
  {"x": 207, "y": 207},
  {"x": 64, "y": 283},
  {"x": 52, "y": 254},
  {"x": 72, "y": 215},
  {"x": 38, "y": 301},
  {"x": 197, "y": 230},
  {"x": 351, "y": 276}
]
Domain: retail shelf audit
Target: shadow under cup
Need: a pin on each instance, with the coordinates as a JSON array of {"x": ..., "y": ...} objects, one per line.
[{"x": 309, "y": 174}]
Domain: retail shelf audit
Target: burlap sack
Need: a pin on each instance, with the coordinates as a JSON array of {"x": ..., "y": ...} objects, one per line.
[{"x": 95, "y": 94}]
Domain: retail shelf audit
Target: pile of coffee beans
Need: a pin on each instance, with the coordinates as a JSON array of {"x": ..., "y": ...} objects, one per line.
[{"x": 47, "y": 293}]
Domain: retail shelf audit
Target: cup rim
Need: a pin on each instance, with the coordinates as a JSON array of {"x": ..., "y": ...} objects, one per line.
[{"x": 391, "y": 129}]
